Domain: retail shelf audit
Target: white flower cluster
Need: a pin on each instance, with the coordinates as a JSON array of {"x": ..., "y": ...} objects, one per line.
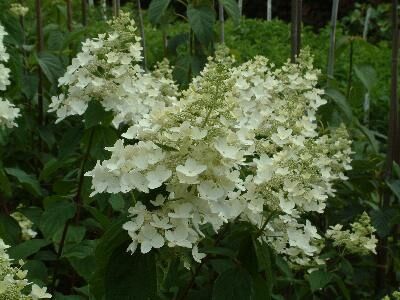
[
  {"x": 241, "y": 143},
  {"x": 13, "y": 282},
  {"x": 108, "y": 70},
  {"x": 25, "y": 224},
  {"x": 18, "y": 9},
  {"x": 4, "y": 57},
  {"x": 8, "y": 112},
  {"x": 394, "y": 296},
  {"x": 359, "y": 240}
]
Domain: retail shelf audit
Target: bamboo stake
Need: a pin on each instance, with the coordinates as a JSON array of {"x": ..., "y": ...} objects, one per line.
[
  {"x": 69, "y": 15},
  {"x": 142, "y": 34},
  {"x": 84, "y": 12},
  {"x": 331, "y": 56},
  {"x": 382, "y": 269},
  {"x": 350, "y": 74},
  {"x": 296, "y": 8},
  {"x": 299, "y": 24},
  {"x": 118, "y": 3},
  {"x": 104, "y": 9},
  {"x": 269, "y": 10},
  {"x": 366, "y": 23},
  {"x": 366, "y": 104},
  {"x": 240, "y": 5},
  {"x": 39, "y": 49},
  {"x": 114, "y": 7},
  {"x": 393, "y": 114},
  {"x": 221, "y": 21}
]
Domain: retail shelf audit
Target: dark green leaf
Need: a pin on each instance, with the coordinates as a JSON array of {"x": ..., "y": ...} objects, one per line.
[
  {"x": 394, "y": 185},
  {"x": 99, "y": 216},
  {"x": 36, "y": 270},
  {"x": 232, "y": 9},
  {"x": 319, "y": 279},
  {"x": 55, "y": 215},
  {"x": 157, "y": 9},
  {"x": 201, "y": 20},
  {"x": 367, "y": 76},
  {"x": 340, "y": 100},
  {"x": 219, "y": 251},
  {"x": 29, "y": 182},
  {"x": 80, "y": 250},
  {"x": 382, "y": 220},
  {"x": 132, "y": 277},
  {"x": 263, "y": 254},
  {"x": 51, "y": 66},
  {"x": 5, "y": 186},
  {"x": 10, "y": 231},
  {"x": 27, "y": 248},
  {"x": 233, "y": 284},
  {"x": 113, "y": 238},
  {"x": 96, "y": 115},
  {"x": 117, "y": 202}
]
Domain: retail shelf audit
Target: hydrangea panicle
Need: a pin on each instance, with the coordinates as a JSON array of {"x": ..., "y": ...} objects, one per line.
[
  {"x": 13, "y": 282},
  {"x": 108, "y": 70},
  {"x": 242, "y": 142},
  {"x": 8, "y": 112},
  {"x": 359, "y": 240},
  {"x": 25, "y": 224}
]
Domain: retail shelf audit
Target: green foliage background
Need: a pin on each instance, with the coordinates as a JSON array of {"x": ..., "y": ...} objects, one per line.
[{"x": 40, "y": 169}]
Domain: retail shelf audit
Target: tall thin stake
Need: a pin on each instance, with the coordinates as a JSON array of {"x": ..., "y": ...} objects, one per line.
[
  {"x": 141, "y": 24},
  {"x": 393, "y": 132},
  {"x": 69, "y": 15},
  {"x": 118, "y": 4},
  {"x": 299, "y": 23},
  {"x": 269, "y": 10},
  {"x": 84, "y": 12},
  {"x": 104, "y": 9},
  {"x": 331, "y": 56},
  {"x": 240, "y": 5},
  {"x": 114, "y": 7},
  {"x": 295, "y": 28},
  {"x": 39, "y": 49},
  {"x": 394, "y": 109},
  {"x": 221, "y": 21},
  {"x": 366, "y": 23}
]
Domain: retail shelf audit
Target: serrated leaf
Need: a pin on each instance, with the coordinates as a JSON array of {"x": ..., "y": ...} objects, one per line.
[
  {"x": 233, "y": 284},
  {"x": 219, "y": 251},
  {"x": 5, "y": 186},
  {"x": 382, "y": 220},
  {"x": 50, "y": 167},
  {"x": 113, "y": 238},
  {"x": 319, "y": 279},
  {"x": 117, "y": 202},
  {"x": 201, "y": 20},
  {"x": 370, "y": 135},
  {"x": 80, "y": 250},
  {"x": 264, "y": 264},
  {"x": 29, "y": 182},
  {"x": 157, "y": 9},
  {"x": 340, "y": 100},
  {"x": 10, "y": 231},
  {"x": 394, "y": 185},
  {"x": 367, "y": 75},
  {"x": 51, "y": 66},
  {"x": 27, "y": 248},
  {"x": 95, "y": 114},
  {"x": 232, "y": 9},
  {"x": 55, "y": 215}
]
